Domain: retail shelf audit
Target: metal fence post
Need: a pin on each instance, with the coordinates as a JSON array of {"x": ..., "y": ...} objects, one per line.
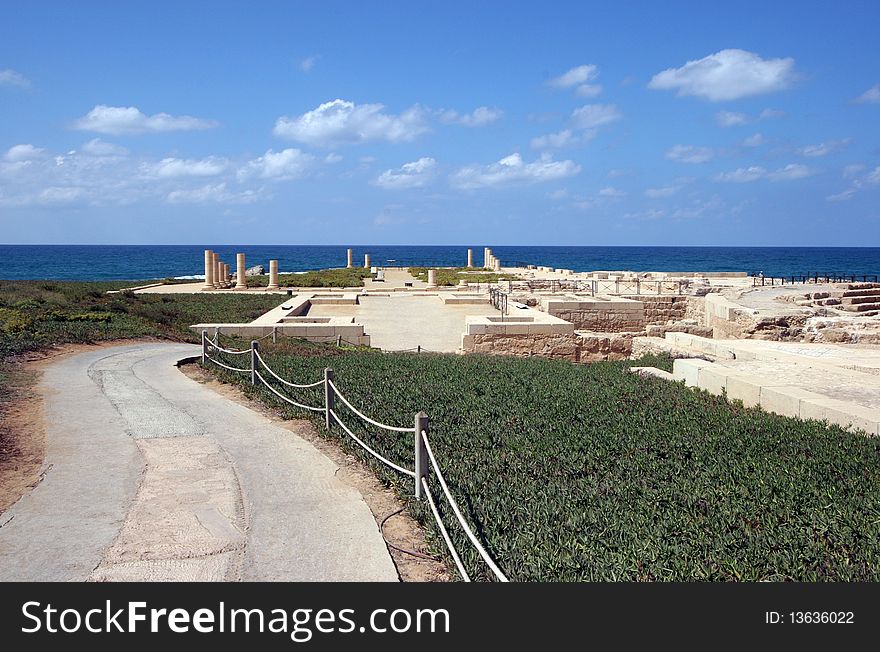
[
  {"x": 421, "y": 452},
  {"x": 274, "y": 335},
  {"x": 329, "y": 397},
  {"x": 254, "y": 346},
  {"x": 204, "y": 347}
]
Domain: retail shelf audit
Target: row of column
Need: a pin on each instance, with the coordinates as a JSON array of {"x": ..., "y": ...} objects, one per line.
[
  {"x": 350, "y": 262},
  {"x": 470, "y": 258},
  {"x": 217, "y": 272},
  {"x": 490, "y": 261}
]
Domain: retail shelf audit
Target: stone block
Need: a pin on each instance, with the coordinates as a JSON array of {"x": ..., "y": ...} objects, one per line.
[
  {"x": 785, "y": 400},
  {"x": 745, "y": 389},
  {"x": 687, "y": 369},
  {"x": 842, "y": 413}
]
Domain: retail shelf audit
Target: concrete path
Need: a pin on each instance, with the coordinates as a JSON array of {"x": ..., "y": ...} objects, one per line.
[{"x": 151, "y": 476}]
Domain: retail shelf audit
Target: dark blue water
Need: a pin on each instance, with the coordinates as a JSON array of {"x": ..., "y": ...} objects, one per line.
[{"x": 134, "y": 262}]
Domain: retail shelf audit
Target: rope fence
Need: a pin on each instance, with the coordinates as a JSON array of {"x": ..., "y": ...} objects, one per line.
[{"x": 425, "y": 462}]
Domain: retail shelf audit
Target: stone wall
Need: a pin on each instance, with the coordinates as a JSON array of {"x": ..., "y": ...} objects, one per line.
[
  {"x": 553, "y": 345},
  {"x": 595, "y": 347},
  {"x": 601, "y": 316},
  {"x": 575, "y": 347},
  {"x": 660, "y": 309}
]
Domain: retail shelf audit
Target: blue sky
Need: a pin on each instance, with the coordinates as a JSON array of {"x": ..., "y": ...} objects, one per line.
[{"x": 448, "y": 123}]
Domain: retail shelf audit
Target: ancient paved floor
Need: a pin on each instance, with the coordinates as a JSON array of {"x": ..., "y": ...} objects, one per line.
[
  {"x": 151, "y": 476},
  {"x": 404, "y": 321}
]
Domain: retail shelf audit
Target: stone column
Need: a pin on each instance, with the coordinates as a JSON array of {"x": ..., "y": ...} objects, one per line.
[
  {"x": 485, "y": 256},
  {"x": 273, "y": 275},
  {"x": 216, "y": 262},
  {"x": 497, "y": 264},
  {"x": 367, "y": 261},
  {"x": 470, "y": 258},
  {"x": 225, "y": 273},
  {"x": 432, "y": 278},
  {"x": 209, "y": 270},
  {"x": 241, "y": 283},
  {"x": 350, "y": 259}
]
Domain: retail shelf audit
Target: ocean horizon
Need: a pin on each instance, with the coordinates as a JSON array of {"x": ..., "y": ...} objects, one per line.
[{"x": 146, "y": 262}]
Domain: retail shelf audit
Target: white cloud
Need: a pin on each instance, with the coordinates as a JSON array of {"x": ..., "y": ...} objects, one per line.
[
  {"x": 823, "y": 149},
  {"x": 309, "y": 62},
  {"x": 575, "y": 77},
  {"x": 790, "y": 172},
  {"x": 870, "y": 96},
  {"x": 873, "y": 177},
  {"x": 479, "y": 117},
  {"x": 332, "y": 158},
  {"x": 210, "y": 194},
  {"x": 588, "y": 90},
  {"x": 689, "y": 154},
  {"x": 409, "y": 175},
  {"x": 659, "y": 193},
  {"x": 769, "y": 114},
  {"x": 742, "y": 175},
  {"x": 731, "y": 118},
  {"x": 843, "y": 196},
  {"x": 590, "y": 116},
  {"x": 97, "y": 147},
  {"x": 170, "y": 168},
  {"x": 564, "y": 138},
  {"x": 852, "y": 170},
  {"x": 612, "y": 192},
  {"x": 341, "y": 122},
  {"x": 285, "y": 165},
  {"x": 512, "y": 169},
  {"x": 118, "y": 120},
  {"x": 727, "y": 75},
  {"x": 25, "y": 152},
  {"x": 698, "y": 208},
  {"x": 9, "y": 77},
  {"x": 755, "y": 140}
]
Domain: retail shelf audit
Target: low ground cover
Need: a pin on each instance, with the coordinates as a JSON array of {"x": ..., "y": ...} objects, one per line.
[
  {"x": 452, "y": 275},
  {"x": 589, "y": 472},
  {"x": 325, "y": 278}
]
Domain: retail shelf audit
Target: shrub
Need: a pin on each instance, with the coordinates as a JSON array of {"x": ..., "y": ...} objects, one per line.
[{"x": 588, "y": 472}]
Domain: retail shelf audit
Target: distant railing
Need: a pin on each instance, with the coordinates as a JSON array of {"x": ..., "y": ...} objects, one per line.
[
  {"x": 760, "y": 279},
  {"x": 425, "y": 459},
  {"x": 498, "y": 299}
]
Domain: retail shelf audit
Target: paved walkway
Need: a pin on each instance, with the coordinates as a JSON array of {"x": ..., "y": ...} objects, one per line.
[{"x": 151, "y": 476}]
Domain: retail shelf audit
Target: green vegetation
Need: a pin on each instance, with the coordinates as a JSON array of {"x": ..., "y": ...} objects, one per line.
[
  {"x": 36, "y": 314},
  {"x": 325, "y": 278},
  {"x": 659, "y": 360},
  {"x": 592, "y": 473},
  {"x": 452, "y": 275}
]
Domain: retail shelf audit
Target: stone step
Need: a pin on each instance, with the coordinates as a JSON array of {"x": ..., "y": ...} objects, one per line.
[
  {"x": 860, "y": 307},
  {"x": 863, "y": 298},
  {"x": 859, "y": 293},
  {"x": 862, "y": 286}
]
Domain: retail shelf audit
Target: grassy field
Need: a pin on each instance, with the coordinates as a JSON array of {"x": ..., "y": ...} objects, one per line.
[
  {"x": 326, "y": 278},
  {"x": 452, "y": 275},
  {"x": 592, "y": 473},
  {"x": 36, "y": 314}
]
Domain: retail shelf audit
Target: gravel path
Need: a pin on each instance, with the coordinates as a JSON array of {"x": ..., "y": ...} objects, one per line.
[{"x": 150, "y": 476}]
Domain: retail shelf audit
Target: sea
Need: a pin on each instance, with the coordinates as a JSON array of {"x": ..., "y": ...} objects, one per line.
[{"x": 146, "y": 262}]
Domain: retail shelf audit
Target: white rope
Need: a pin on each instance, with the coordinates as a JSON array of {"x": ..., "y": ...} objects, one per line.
[
  {"x": 286, "y": 382},
  {"x": 226, "y": 366},
  {"x": 229, "y": 351},
  {"x": 457, "y": 512},
  {"x": 445, "y": 534},
  {"x": 364, "y": 416},
  {"x": 370, "y": 450},
  {"x": 284, "y": 398}
]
